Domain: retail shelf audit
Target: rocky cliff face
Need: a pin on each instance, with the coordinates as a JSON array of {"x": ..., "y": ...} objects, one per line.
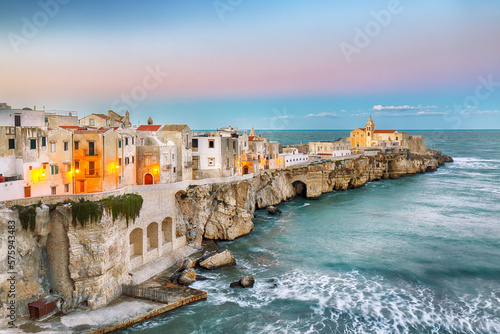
[
  {"x": 225, "y": 211},
  {"x": 84, "y": 266}
]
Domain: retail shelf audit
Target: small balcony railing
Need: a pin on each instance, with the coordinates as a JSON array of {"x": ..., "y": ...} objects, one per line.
[
  {"x": 91, "y": 152},
  {"x": 92, "y": 172}
]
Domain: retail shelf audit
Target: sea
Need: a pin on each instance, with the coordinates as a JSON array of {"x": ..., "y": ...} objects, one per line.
[{"x": 420, "y": 254}]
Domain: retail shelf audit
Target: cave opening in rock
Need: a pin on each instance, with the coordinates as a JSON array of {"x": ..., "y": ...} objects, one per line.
[{"x": 300, "y": 188}]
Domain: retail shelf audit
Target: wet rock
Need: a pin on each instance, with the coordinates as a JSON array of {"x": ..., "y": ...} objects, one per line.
[
  {"x": 273, "y": 210},
  {"x": 245, "y": 282},
  {"x": 187, "y": 277},
  {"x": 219, "y": 261}
]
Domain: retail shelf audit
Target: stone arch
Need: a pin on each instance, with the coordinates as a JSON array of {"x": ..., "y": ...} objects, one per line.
[
  {"x": 300, "y": 188},
  {"x": 135, "y": 243},
  {"x": 152, "y": 236},
  {"x": 148, "y": 178},
  {"x": 166, "y": 230}
]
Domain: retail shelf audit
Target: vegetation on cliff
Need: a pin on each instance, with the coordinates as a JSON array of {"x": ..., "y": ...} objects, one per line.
[
  {"x": 127, "y": 205},
  {"x": 27, "y": 216},
  {"x": 85, "y": 212}
]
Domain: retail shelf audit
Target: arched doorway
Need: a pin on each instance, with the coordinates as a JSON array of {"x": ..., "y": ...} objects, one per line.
[
  {"x": 166, "y": 229},
  {"x": 152, "y": 236},
  {"x": 148, "y": 178},
  {"x": 135, "y": 242},
  {"x": 245, "y": 170}
]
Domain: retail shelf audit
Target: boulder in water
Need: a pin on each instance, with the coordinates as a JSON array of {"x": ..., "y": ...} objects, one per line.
[
  {"x": 245, "y": 282},
  {"x": 219, "y": 261},
  {"x": 187, "y": 277},
  {"x": 273, "y": 210}
]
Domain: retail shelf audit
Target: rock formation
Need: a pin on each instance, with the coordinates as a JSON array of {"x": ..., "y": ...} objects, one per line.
[
  {"x": 219, "y": 261},
  {"x": 225, "y": 211}
]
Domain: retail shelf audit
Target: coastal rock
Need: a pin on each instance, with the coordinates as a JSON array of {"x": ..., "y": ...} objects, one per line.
[
  {"x": 225, "y": 211},
  {"x": 245, "y": 282},
  {"x": 187, "y": 277},
  {"x": 273, "y": 210},
  {"x": 219, "y": 261}
]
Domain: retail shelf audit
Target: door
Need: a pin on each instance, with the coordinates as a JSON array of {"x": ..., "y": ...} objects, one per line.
[
  {"x": 82, "y": 186},
  {"x": 27, "y": 191},
  {"x": 91, "y": 148},
  {"x": 17, "y": 120},
  {"x": 245, "y": 170},
  {"x": 196, "y": 162},
  {"x": 148, "y": 179}
]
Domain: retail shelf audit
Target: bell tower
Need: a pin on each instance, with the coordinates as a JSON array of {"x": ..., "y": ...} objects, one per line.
[{"x": 370, "y": 128}]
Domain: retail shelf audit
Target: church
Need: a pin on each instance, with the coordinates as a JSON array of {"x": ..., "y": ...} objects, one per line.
[{"x": 369, "y": 137}]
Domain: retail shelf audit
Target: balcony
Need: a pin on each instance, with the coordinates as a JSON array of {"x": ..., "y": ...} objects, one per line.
[
  {"x": 91, "y": 172},
  {"x": 188, "y": 145},
  {"x": 91, "y": 152},
  {"x": 188, "y": 164}
]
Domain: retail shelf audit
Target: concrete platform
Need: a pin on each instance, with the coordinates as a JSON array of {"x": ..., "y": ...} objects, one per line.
[{"x": 120, "y": 313}]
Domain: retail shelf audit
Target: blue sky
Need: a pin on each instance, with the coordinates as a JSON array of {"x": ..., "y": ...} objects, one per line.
[{"x": 313, "y": 64}]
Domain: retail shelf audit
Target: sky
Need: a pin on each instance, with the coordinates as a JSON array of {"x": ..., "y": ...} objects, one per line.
[{"x": 285, "y": 64}]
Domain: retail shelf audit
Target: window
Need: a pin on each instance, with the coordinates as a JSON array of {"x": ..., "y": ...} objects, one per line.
[
  {"x": 66, "y": 188},
  {"x": 46, "y": 119},
  {"x": 44, "y": 141},
  {"x": 54, "y": 169},
  {"x": 119, "y": 144},
  {"x": 52, "y": 147},
  {"x": 91, "y": 167},
  {"x": 211, "y": 143},
  {"x": 174, "y": 169},
  {"x": 66, "y": 145},
  {"x": 234, "y": 146},
  {"x": 53, "y": 190},
  {"x": 195, "y": 143},
  {"x": 30, "y": 167},
  {"x": 67, "y": 167},
  {"x": 127, "y": 161},
  {"x": 77, "y": 145},
  {"x": 132, "y": 140},
  {"x": 33, "y": 144},
  {"x": 126, "y": 141},
  {"x": 211, "y": 161},
  {"x": 133, "y": 159},
  {"x": 77, "y": 164},
  {"x": 147, "y": 161},
  {"x": 17, "y": 120},
  {"x": 119, "y": 179},
  {"x": 119, "y": 162},
  {"x": 91, "y": 122},
  {"x": 12, "y": 144}
]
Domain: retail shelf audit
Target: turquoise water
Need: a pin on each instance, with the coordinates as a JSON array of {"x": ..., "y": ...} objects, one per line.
[{"x": 420, "y": 254}]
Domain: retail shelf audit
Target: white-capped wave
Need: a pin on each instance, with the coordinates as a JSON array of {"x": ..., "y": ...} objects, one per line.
[{"x": 354, "y": 303}]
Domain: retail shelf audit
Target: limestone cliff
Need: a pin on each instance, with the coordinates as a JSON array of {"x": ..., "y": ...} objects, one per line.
[{"x": 225, "y": 211}]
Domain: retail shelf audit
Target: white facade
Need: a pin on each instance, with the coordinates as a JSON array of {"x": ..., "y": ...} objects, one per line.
[
  {"x": 295, "y": 158},
  {"x": 209, "y": 152},
  {"x": 334, "y": 149},
  {"x": 22, "y": 117}
]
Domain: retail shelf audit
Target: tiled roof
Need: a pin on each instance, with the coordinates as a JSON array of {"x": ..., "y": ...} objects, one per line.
[
  {"x": 385, "y": 131},
  {"x": 74, "y": 127},
  {"x": 102, "y": 116},
  {"x": 174, "y": 127},
  {"x": 149, "y": 128}
]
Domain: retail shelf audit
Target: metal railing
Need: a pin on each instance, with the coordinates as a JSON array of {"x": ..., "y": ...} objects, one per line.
[
  {"x": 91, "y": 153},
  {"x": 148, "y": 293}
]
